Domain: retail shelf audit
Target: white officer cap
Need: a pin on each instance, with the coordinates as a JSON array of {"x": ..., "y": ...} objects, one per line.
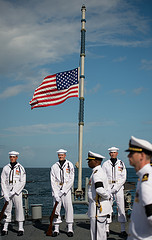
[
  {"x": 61, "y": 151},
  {"x": 13, "y": 153},
  {"x": 94, "y": 156},
  {"x": 113, "y": 149},
  {"x": 139, "y": 145}
]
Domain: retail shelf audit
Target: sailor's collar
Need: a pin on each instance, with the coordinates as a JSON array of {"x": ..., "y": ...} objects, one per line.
[
  {"x": 116, "y": 161},
  {"x": 63, "y": 164},
  {"x": 143, "y": 170},
  {"x": 14, "y": 166}
]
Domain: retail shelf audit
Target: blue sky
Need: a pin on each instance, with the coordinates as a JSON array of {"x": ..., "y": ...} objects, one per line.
[{"x": 39, "y": 38}]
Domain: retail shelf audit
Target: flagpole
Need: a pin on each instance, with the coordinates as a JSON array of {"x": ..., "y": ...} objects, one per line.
[{"x": 79, "y": 191}]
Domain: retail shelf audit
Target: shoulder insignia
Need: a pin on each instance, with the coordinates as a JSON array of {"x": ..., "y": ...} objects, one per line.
[
  {"x": 145, "y": 177},
  {"x": 121, "y": 162},
  {"x": 95, "y": 171}
]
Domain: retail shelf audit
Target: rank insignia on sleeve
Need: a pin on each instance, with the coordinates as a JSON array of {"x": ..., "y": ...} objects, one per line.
[
  {"x": 145, "y": 177},
  {"x": 95, "y": 171}
]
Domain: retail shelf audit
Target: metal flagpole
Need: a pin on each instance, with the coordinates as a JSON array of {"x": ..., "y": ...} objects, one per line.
[{"x": 79, "y": 191}]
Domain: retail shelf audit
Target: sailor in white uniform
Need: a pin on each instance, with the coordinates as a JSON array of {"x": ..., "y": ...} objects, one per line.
[
  {"x": 62, "y": 179},
  {"x": 140, "y": 153},
  {"x": 116, "y": 173},
  {"x": 13, "y": 179},
  {"x": 99, "y": 197}
]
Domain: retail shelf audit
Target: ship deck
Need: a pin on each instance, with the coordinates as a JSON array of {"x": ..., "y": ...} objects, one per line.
[{"x": 36, "y": 230}]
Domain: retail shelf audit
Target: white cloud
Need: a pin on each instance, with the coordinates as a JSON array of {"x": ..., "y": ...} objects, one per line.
[
  {"x": 118, "y": 91},
  {"x": 36, "y": 129},
  {"x": 90, "y": 125},
  {"x": 93, "y": 90},
  {"x": 36, "y": 36},
  {"x": 119, "y": 24},
  {"x": 30, "y": 82},
  {"x": 11, "y": 91},
  {"x": 120, "y": 59},
  {"x": 146, "y": 65},
  {"x": 28, "y": 152},
  {"x": 50, "y": 128},
  {"x": 138, "y": 91},
  {"x": 148, "y": 122},
  {"x": 35, "y": 33}
]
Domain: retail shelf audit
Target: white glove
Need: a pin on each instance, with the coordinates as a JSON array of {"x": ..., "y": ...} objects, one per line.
[
  {"x": 111, "y": 197},
  {"x": 11, "y": 194},
  {"x": 150, "y": 220},
  {"x": 90, "y": 196},
  {"x": 6, "y": 198},
  {"x": 61, "y": 193},
  {"x": 57, "y": 199},
  {"x": 113, "y": 190}
]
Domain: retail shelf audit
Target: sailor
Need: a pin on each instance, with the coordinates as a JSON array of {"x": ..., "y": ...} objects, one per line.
[
  {"x": 13, "y": 179},
  {"x": 99, "y": 196},
  {"x": 140, "y": 153},
  {"x": 62, "y": 179},
  {"x": 116, "y": 173}
]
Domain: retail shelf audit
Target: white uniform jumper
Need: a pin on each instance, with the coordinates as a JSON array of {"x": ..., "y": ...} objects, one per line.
[
  {"x": 141, "y": 216},
  {"x": 98, "y": 193},
  {"x": 13, "y": 180},
  {"x": 62, "y": 179},
  {"x": 117, "y": 177}
]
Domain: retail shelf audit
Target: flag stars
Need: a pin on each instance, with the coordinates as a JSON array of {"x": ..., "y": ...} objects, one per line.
[{"x": 66, "y": 79}]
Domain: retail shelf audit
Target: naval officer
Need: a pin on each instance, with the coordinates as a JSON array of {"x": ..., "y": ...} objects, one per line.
[
  {"x": 62, "y": 178},
  {"x": 99, "y": 197},
  {"x": 13, "y": 179},
  {"x": 140, "y": 153},
  {"x": 116, "y": 173}
]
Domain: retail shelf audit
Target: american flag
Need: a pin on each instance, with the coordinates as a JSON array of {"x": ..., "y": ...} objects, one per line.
[{"x": 55, "y": 89}]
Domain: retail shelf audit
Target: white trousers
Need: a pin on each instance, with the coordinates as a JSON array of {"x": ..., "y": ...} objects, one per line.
[
  {"x": 19, "y": 213},
  {"x": 119, "y": 197},
  {"x": 98, "y": 229},
  {"x": 67, "y": 204}
]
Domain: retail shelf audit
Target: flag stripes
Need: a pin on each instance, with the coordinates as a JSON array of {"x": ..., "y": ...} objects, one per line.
[{"x": 47, "y": 94}]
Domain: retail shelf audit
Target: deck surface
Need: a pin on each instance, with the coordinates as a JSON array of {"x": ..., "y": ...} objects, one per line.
[{"x": 35, "y": 230}]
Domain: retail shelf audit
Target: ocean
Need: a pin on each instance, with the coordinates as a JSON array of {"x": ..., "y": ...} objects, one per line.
[{"x": 39, "y": 189}]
